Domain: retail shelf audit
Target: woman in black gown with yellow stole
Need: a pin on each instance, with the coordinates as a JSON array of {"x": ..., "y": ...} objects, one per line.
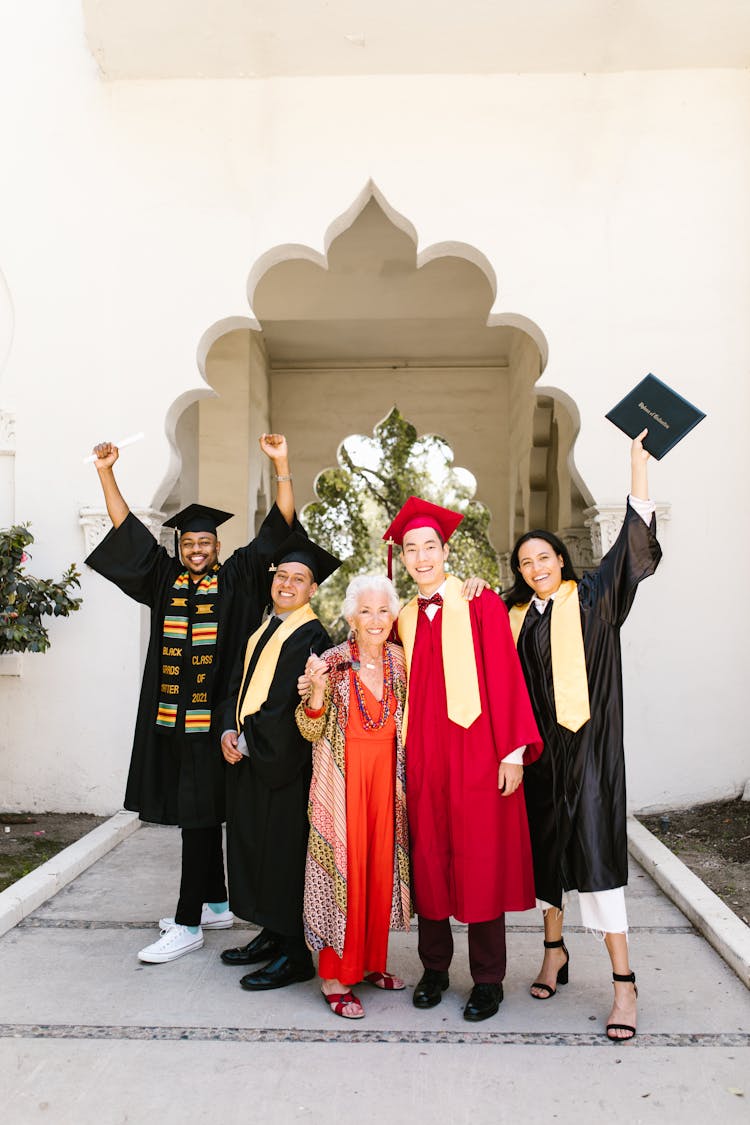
[{"x": 568, "y": 637}]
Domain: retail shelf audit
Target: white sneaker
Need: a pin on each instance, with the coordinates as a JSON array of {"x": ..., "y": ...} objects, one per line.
[
  {"x": 173, "y": 943},
  {"x": 210, "y": 920}
]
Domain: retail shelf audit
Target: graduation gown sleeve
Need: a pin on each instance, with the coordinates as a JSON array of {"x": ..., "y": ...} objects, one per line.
[
  {"x": 633, "y": 556},
  {"x": 249, "y": 565},
  {"x": 130, "y": 557}
]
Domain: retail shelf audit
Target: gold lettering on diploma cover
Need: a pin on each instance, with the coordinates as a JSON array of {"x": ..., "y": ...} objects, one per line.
[
  {"x": 204, "y": 608},
  {"x": 170, "y": 689},
  {"x": 168, "y": 650},
  {"x": 206, "y": 658},
  {"x": 652, "y": 414},
  {"x": 200, "y": 697}
]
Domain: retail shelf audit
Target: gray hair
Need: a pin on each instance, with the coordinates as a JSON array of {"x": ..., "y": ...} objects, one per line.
[{"x": 364, "y": 583}]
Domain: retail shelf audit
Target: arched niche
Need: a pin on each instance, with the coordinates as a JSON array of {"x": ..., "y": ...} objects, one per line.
[{"x": 336, "y": 338}]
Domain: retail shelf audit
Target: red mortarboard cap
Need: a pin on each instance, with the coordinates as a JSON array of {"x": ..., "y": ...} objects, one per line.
[{"x": 420, "y": 513}]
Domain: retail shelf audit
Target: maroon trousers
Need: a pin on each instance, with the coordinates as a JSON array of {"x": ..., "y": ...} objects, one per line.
[{"x": 486, "y": 947}]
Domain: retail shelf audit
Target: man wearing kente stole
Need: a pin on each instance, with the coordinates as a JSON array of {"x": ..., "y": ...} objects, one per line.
[
  {"x": 568, "y": 637},
  {"x": 201, "y": 612},
  {"x": 468, "y": 730},
  {"x": 268, "y": 782}
]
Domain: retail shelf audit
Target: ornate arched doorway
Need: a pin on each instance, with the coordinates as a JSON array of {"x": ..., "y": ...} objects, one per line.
[{"x": 339, "y": 338}]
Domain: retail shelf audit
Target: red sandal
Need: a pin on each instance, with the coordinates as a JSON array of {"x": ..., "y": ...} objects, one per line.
[
  {"x": 337, "y": 1001},
  {"x": 384, "y": 980}
]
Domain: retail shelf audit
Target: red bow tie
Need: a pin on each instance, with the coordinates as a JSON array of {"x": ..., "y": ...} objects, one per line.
[{"x": 436, "y": 599}]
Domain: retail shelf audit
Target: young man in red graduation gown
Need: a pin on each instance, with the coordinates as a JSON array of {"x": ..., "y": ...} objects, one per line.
[{"x": 468, "y": 730}]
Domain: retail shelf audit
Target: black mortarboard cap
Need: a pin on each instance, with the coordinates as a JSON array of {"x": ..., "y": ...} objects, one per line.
[
  {"x": 299, "y": 548},
  {"x": 196, "y": 517}
]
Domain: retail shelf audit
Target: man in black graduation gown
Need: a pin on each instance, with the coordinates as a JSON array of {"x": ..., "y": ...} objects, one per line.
[
  {"x": 201, "y": 613},
  {"x": 268, "y": 783}
]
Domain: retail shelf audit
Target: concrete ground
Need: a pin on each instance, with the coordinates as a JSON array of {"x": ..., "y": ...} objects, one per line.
[{"x": 90, "y": 1034}]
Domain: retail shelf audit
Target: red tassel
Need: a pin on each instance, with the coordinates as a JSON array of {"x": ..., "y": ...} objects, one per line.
[{"x": 390, "y": 559}]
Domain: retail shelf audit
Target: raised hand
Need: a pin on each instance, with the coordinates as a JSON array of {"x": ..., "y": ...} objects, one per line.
[
  {"x": 637, "y": 452},
  {"x": 106, "y": 454},
  {"x": 639, "y": 458},
  {"x": 274, "y": 446}
]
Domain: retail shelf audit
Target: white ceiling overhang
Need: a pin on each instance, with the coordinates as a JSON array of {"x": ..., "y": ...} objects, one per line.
[{"x": 154, "y": 39}]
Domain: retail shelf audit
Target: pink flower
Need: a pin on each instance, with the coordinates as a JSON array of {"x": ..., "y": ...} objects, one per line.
[{"x": 24, "y": 557}]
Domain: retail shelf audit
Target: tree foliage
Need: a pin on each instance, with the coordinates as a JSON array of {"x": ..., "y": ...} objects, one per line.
[
  {"x": 357, "y": 501},
  {"x": 24, "y": 599}
]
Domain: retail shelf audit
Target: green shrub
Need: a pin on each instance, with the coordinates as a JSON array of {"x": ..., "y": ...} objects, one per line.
[{"x": 24, "y": 600}]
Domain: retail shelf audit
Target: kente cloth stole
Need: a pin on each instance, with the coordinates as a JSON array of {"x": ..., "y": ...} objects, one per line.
[
  {"x": 188, "y": 654},
  {"x": 255, "y": 693},
  {"x": 569, "y": 679},
  {"x": 459, "y": 662}
]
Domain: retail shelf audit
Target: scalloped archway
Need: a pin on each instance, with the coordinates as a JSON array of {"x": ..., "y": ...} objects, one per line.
[{"x": 338, "y": 337}]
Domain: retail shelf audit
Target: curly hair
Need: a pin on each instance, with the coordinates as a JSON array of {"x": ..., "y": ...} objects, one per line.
[{"x": 364, "y": 583}]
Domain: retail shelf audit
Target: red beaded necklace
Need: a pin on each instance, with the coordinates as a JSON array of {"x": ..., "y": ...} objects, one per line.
[{"x": 385, "y": 704}]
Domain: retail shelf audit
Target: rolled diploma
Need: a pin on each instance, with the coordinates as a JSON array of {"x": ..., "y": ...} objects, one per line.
[{"x": 131, "y": 440}]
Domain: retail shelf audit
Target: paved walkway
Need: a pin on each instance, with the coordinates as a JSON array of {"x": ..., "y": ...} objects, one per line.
[{"x": 89, "y": 1034}]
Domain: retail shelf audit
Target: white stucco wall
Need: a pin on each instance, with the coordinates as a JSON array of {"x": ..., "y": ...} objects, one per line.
[{"x": 612, "y": 207}]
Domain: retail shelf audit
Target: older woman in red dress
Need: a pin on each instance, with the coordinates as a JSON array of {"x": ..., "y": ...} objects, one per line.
[{"x": 357, "y": 873}]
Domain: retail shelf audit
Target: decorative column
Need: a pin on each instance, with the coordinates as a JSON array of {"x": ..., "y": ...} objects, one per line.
[
  {"x": 578, "y": 542},
  {"x": 96, "y": 523},
  {"x": 605, "y": 520}
]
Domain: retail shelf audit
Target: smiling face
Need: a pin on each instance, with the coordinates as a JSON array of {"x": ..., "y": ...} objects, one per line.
[
  {"x": 199, "y": 551},
  {"x": 372, "y": 620},
  {"x": 424, "y": 556},
  {"x": 541, "y": 568},
  {"x": 292, "y": 586}
]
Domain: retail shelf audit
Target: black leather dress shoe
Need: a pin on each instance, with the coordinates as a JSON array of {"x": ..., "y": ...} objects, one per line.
[
  {"x": 261, "y": 948},
  {"x": 430, "y": 989},
  {"x": 484, "y": 1001},
  {"x": 277, "y": 975}
]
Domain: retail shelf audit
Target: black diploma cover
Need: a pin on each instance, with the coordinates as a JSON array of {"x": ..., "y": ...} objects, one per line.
[{"x": 653, "y": 405}]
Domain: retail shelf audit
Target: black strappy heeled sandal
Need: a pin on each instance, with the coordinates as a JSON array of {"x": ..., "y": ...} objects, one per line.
[
  {"x": 623, "y": 1026},
  {"x": 562, "y": 973}
]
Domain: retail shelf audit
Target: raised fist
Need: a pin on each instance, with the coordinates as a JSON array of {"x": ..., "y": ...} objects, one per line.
[
  {"x": 274, "y": 446},
  {"x": 106, "y": 454}
]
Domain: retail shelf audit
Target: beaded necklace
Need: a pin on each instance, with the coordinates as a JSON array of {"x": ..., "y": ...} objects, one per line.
[{"x": 385, "y": 704}]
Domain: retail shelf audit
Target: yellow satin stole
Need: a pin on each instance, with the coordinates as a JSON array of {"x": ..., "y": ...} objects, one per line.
[
  {"x": 459, "y": 664},
  {"x": 260, "y": 683},
  {"x": 569, "y": 678}
]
